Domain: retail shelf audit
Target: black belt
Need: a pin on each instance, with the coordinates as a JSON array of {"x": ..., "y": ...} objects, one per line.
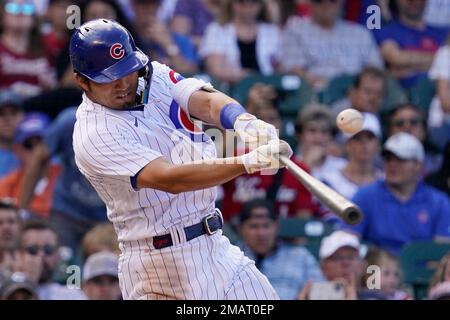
[{"x": 209, "y": 225}]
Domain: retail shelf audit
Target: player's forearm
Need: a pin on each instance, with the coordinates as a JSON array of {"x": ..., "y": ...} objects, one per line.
[{"x": 161, "y": 175}]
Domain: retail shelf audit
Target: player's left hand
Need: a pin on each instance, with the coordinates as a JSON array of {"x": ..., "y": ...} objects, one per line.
[{"x": 253, "y": 131}]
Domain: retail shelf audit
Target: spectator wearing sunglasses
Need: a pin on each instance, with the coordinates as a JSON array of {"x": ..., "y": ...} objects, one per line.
[
  {"x": 39, "y": 244},
  {"x": 24, "y": 65},
  {"x": 324, "y": 46},
  {"x": 409, "y": 118},
  {"x": 29, "y": 134}
]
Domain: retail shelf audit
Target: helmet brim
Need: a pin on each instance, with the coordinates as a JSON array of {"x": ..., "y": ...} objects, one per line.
[{"x": 134, "y": 62}]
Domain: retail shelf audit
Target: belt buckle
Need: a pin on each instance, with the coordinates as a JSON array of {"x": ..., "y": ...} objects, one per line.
[{"x": 206, "y": 225}]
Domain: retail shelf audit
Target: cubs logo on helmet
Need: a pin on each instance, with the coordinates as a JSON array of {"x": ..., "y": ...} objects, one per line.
[{"x": 117, "y": 51}]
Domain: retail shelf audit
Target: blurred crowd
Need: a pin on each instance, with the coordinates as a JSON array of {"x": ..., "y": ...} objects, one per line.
[{"x": 298, "y": 64}]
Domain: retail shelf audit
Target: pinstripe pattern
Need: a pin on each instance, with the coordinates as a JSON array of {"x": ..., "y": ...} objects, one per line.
[{"x": 110, "y": 147}]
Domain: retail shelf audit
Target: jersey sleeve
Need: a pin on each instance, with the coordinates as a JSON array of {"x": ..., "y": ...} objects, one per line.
[{"x": 109, "y": 148}]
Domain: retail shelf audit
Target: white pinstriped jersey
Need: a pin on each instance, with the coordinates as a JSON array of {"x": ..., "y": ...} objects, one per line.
[{"x": 112, "y": 146}]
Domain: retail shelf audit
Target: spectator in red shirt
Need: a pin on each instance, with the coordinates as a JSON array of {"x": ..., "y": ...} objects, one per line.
[
  {"x": 291, "y": 198},
  {"x": 24, "y": 66}
]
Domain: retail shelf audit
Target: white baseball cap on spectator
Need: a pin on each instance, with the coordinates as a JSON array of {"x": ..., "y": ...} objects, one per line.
[
  {"x": 103, "y": 263},
  {"x": 337, "y": 240},
  {"x": 404, "y": 146},
  {"x": 370, "y": 124}
]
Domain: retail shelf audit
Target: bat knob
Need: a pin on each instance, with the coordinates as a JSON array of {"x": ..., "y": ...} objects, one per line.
[{"x": 353, "y": 216}]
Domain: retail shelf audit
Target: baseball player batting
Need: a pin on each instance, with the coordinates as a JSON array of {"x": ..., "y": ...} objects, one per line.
[{"x": 156, "y": 171}]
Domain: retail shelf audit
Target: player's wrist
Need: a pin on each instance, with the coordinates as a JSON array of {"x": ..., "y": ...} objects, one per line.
[{"x": 230, "y": 113}]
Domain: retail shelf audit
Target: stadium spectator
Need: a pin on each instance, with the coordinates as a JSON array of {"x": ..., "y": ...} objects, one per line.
[
  {"x": 159, "y": 43},
  {"x": 437, "y": 13},
  {"x": 408, "y": 44},
  {"x": 191, "y": 17},
  {"x": 17, "y": 287},
  {"x": 76, "y": 207},
  {"x": 55, "y": 31},
  {"x": 39, "y": 244},
  {"x": 365, "y": 94},
  {"x": 439, "y": 113},
  {"x": 11, "y": 114},
  {"x": 409, "y": 118},
  {"x": 442, "y": 273},
  {"x": 340, "y": 262},
  {"x": 291, "y": 198},
  {"x": 100, "y": 238},
  {"x": 25, "y": 67},
  {"x": 29, "y": 134},
  {"x": 440, "y": 282},
  {"x": 391, "y": 274},
  {"x": 323, "y": 46},
  {"x": 100, "y": 277},
  {"x": 314, "y": 127},
  {"x": 9, "y": 228},
  {"x": 401, "y": 208},
  {"x": 241, "y": 43},
  {"x": 362, "y": 150},
  {"x": 441, "y": 178},
  {"x": 287, "y": 267}
]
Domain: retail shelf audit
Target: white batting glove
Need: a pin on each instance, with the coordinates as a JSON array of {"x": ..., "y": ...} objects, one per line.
[
  {"x": 266, "y": 156},
  {"x": 253, "y": 131}
]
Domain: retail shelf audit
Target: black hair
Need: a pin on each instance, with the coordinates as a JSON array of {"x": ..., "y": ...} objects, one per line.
[
  {"x": 247, "y": 208},
  {"x": 372, "y": 71}
]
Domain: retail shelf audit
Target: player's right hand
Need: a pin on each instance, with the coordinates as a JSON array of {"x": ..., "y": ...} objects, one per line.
[{"x": 266, "y": 156}]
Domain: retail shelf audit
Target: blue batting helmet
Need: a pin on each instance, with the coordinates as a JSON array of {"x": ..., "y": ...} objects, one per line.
[{"x": 104, "y": 51}]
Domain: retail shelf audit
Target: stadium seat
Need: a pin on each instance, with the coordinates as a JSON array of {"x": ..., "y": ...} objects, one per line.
[
  {"x": 309, "y": 229},
  {"x": 294, "y": 92},
  {"x": 336, "y": 89},
  {"x": 419, "y": 261},
  {"x": 422, "y": 93}
]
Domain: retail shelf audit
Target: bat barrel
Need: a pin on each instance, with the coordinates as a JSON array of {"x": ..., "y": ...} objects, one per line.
[{"x": 341, "y": 206}]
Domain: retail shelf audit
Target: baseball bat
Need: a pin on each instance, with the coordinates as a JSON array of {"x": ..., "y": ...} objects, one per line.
[{"x": 341, "y": 206}]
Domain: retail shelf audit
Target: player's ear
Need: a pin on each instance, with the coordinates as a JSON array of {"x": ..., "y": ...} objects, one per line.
[{"x": 82, "y": 82}]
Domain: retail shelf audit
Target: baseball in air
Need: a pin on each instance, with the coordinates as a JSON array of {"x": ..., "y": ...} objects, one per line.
[{"x": 349, "y": 121}]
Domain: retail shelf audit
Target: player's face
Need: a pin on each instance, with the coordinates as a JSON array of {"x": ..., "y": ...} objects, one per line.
[
  {"x": 400, "y": 173},
  {"x": 118, "y": 94},
  {"x": 369, "y": 95},
  {"x": 9, "y": 228}
]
